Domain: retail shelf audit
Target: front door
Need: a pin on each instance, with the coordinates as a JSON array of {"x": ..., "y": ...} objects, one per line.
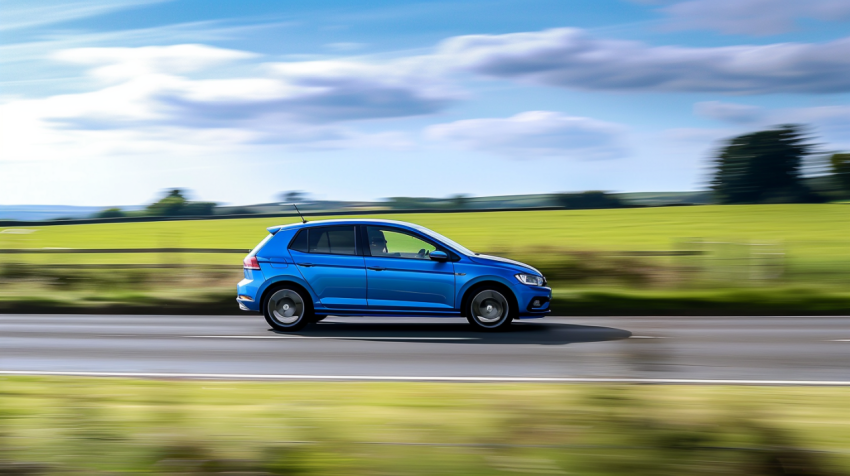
[
  {"x": 401, "y": 274},
  {"x": 327, "y": 258}
]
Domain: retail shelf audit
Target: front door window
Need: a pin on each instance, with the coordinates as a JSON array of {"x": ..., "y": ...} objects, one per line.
[{"x": 387, "y": 243}]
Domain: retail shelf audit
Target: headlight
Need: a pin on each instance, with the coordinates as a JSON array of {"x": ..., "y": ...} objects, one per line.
[{"x": 531, "y": 279}]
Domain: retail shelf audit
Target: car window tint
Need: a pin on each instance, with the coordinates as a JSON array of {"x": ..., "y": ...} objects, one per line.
[
  {"x": 300, "y": 241},
  {"x": 388, "y": 243},
  {"x": 336, "y": 240}
]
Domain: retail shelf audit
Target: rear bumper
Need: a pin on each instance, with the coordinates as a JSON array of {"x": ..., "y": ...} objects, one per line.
[
  {"x": 247, "y": 306},
  {"x": 248, "y": 294}
]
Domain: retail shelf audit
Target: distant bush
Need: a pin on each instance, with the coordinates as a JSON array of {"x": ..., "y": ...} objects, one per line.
[
  {"x": 412, "y": 203},
  {"x": 589, "y": 200},
  {"x": 111, "y": 213},
  {"x": 197, "y": 208},
  {"x": 238, "y": 211}
]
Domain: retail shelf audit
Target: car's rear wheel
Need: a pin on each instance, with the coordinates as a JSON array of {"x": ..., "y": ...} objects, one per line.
[
  {"x": 489, "y": 310},
  {"x": 285, "y": 309}
]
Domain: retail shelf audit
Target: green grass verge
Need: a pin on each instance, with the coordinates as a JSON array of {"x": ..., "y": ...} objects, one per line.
[
  {"x": 100, "y": 426},
  {"x": 783, "y": 301}
]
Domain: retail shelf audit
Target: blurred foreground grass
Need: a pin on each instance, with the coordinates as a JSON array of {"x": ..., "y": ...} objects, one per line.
[
  {"x": 100, "y": 426},
  {"x": 755, "y": 259}
]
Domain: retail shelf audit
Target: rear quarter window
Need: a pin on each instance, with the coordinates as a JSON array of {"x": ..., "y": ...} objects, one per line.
[{"x": 300, "y": 242}]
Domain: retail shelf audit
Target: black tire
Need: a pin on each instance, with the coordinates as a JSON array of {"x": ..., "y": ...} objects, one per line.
[
  {"x": 490, "y": 308},
  {"x": 287, "y": 308}
]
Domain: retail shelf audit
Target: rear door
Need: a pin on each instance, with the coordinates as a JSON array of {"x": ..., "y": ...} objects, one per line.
[
  {"x": 328, "y": 259},
  {"x": 401, "y": 274}
]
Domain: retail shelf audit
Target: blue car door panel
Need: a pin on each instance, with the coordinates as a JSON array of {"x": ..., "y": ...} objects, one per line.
[
  {"x": 401, "y": 275},
  {"x": 329, "y": 263},
  {"x": 409, "y": 284}
]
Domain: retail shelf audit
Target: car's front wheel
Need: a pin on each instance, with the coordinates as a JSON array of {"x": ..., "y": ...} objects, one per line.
[
  {"x": 489, "y": 310},
  {"x": 285, "y": 309}
]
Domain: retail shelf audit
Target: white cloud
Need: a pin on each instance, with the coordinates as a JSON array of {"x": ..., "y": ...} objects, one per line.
[
  {"x": 190, "y": 99},
  {"x": 535, "y": 134},
  {"x": 338, "y": 90},
  {"x": 729, "y": 112},
  {"x": 571, "y": 58},
  {"x": 753, "y": 17},
  {"x": 150, "y": 92},
  {"x": 115, "y": 64},
  {"x": 153, "y": 99}
]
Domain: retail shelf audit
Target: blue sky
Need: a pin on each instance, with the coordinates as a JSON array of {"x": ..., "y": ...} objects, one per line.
[{"x": 109, "y": 102}]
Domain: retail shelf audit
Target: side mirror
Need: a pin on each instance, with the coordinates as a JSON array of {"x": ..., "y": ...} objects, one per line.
[{"x": 439, "y": 256}]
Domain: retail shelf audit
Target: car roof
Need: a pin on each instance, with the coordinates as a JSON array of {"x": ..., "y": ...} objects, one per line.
[{"x": 344, "y": 221}]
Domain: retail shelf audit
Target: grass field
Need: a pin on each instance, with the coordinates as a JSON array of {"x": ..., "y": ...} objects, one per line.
[
  {"x": 770, "y": 257},
  {"x": 99, "y": 426},
  {"x": 604, "y": 230}
]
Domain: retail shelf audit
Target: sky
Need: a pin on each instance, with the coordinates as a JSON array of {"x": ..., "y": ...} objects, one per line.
[{"x": 109, "y": 102}]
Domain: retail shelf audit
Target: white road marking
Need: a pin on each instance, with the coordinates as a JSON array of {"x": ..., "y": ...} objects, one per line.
[
  {"x": 646, "y": 337},
  {"x": 202, "y": 376},
  {"x": 332, "y": 337},
  {"x": 839, "y": 340}
]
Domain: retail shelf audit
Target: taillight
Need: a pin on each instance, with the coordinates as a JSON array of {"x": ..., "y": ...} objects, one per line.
[{"x": 250, "y": 262}]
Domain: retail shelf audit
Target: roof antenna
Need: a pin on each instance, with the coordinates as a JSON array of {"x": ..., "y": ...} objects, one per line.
[{"x": 299, "y": 213}]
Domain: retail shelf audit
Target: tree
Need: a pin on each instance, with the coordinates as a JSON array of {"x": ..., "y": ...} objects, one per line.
[
  {"x": 841, "y": 170},
  {"x": 763, "y": 167},
  {"x": 111, "y": 213},
  {"x": 170, "y": 205},
  {"x": 293, "y": 196},
  {"x": 175, "y": 204},
  {"x": 459, "y": 201}
]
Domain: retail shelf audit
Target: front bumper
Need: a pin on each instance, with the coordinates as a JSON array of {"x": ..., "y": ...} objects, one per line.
[{"x": 534, "y": 301}]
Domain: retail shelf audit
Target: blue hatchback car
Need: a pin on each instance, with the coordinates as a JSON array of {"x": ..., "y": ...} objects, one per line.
[{"x": 303, "y": 272}]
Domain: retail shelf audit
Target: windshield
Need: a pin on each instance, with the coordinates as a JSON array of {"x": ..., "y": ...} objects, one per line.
[{"x": 451, "y": 243}]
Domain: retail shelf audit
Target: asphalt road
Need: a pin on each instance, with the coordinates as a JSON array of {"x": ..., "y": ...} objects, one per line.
[{"x": 815, "y": 349}]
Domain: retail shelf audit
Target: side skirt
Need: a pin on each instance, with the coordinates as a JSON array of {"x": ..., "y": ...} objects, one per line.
[{"x": 378, "y": 313}]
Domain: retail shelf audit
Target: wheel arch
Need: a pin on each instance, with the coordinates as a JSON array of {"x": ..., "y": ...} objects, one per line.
[
  {"x": 487, "y": 282},
  {"x": 286, "y": 281}
]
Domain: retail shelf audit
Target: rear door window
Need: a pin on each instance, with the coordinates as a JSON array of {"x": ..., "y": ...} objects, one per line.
[{"x": 332, "y": 240}]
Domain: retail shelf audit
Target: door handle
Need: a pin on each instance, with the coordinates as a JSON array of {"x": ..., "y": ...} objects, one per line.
[
  {"x": 306, "y": 265},
  {"x": 376, "y": 268}
]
